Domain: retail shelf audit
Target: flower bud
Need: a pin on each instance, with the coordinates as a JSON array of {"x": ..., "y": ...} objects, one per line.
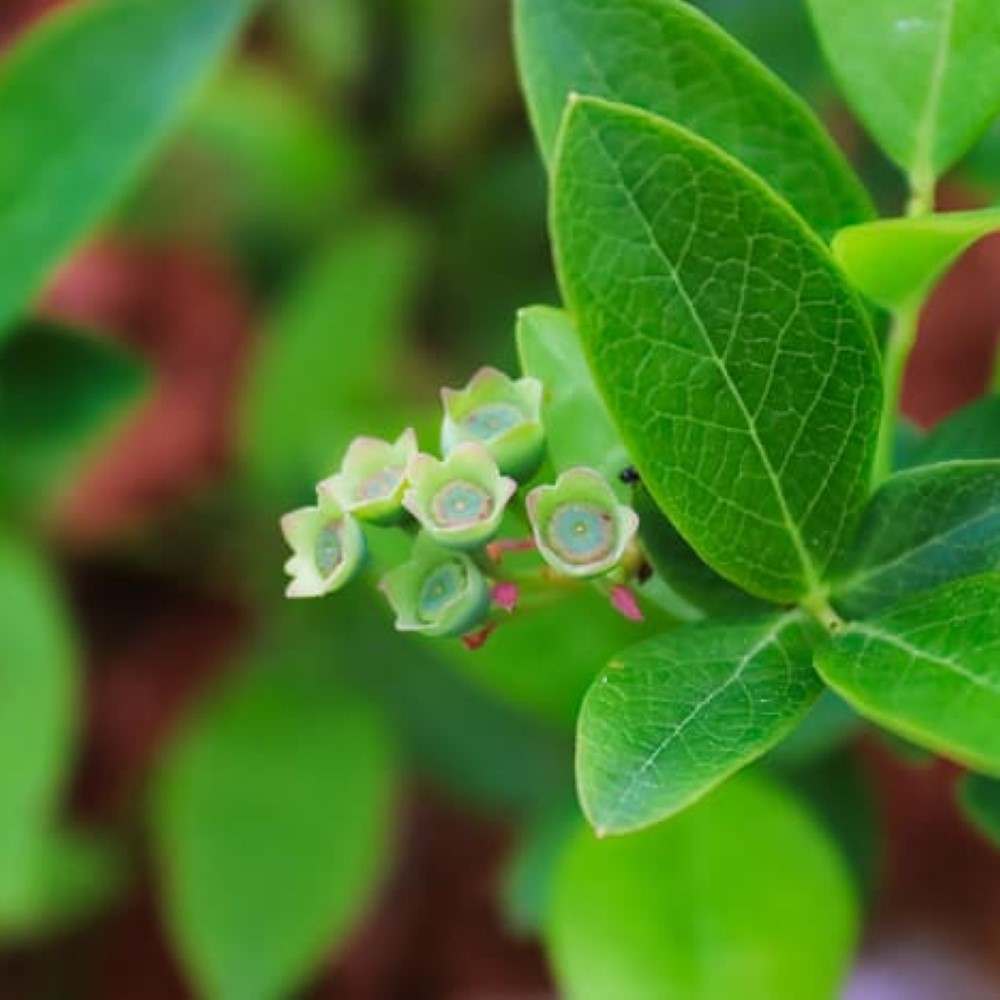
[
  {"x": 439, "y": 592},
  {"x": 372, "y": 478},
  {"x": 580, "y": 528},
  {"x": 328, "y": 548},
  {"x": 500, "y": 414},
  {"x": 459, "y": 501}
]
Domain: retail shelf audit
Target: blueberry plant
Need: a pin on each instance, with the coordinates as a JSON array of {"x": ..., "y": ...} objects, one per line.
[{"x": 718, "y": 399}]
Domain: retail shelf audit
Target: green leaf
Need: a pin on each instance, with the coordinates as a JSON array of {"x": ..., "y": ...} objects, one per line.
[
  {"x": 698, "y": 294},
  {"x": 828, "y": 726},
  {"x": 328, "y": 351},
  {"x": 929, "y": 670},
  {"x": 61, "y": 393},
  {"x": 38, "y": 718},
  {"x": 972, "y": 432},
  {"x": 922, "y": 528},
  {"x": 741, "y": 897},
  {"x": 84, "y": 100},
  {"x": 672, "y": 717},
  {"x": 681, "y": 567},
  {"x": 272, "y": 822},
  {"x": 669, "y": 59},
  {"x": 921, "y": 74},
  {"x": 578, "y": 428},
  {"x": 897, "y": 262},
  {"x": 979, "y": 798}
]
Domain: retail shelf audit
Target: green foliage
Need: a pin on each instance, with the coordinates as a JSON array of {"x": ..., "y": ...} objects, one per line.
[
  {"x": 897, "y": 262},
  {"x": 972, "y": 432},
  {"x": 667, "y": 58},
  {"x": 672, "y": 717},
  {"x": 272, "y": 820},
  {"x": 929, "y": 670},
  {"x": 979, "y": 798},
  {"x": 761, "y": 461},
  {"x": 327, "y": 353},
  {"x": 137, "y": 61},
  {"x": 61, "y": 393},
  {"x": 923, "y": 528},
  {"x": 740, "y": 897},
  {"x": 920, "y": 73},
  {"x": 38, "y": 722}
]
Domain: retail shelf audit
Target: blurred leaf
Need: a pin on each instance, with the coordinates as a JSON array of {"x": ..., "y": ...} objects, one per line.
[
  {"x": 531, "y": 868},
  {"x": 667, "y": 58},
  {"x": 671, "y": 718},
  {"x": 897, "y": 262},
  {"x": 256, "y": 161},
  {"x": 982, "y": 166},
  {"x": 61, "y": 393},
  {"x": 38, "y": 716},
  {"x": 328, "y": 39},
  {"x": 84, "y": 100},
  {"x": 831, "y": 722},
  {"x": 272, "y": 823},
  {"x": 971, "y": 432},
  {"x": 928, "y": 669},
  {"x": 840, "y": 795},
  {"x": 578, "y": 428},
  {"x": 740, "y": 897},
  {"x": 328, "y": 354},
  {"x": 979, "y": 798},
  {"x": 480, "y": 748},
  {"x": 919, "y": 73}
]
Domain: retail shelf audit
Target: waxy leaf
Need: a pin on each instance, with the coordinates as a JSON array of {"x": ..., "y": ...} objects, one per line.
[
  {"x": 38, "y": 710},
  {"x": 972, "y": 432},
  {"x": 979, "y": 798},
  {"x": 669, "y": 719},
  {"x": 929, "y": 670},
  {"x": 668, "y": 58},
  {"x": 742, "y": 897},
  {"x": 84, "y": 99},
  {"x": 734, "y": 358},
  {"x": 61, "y": 393},
  {"x": 273, "y": 817},
  {"x": 578, "y": 429},
  {"x": 923, "y": 528},
  {"x": 921, "y": 74},
  {"x": 897, "y": 262}
]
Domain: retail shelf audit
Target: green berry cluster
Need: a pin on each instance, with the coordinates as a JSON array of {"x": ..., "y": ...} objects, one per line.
[{"x": 492, "y": 443}]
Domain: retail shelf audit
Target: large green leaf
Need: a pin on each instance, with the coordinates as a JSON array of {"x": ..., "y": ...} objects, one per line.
[
  {"x": 668, "y": 58},
  {"x": 61, "y": 392},
  {"x": 698, "y": 295},
  {"x": 972, "y": 432},
  {"x": 920, "y": 73},
  {"x": 672, "y": 717},
  {"x": 83, "y": 102},
  {"x": 922, "y": 528},
  {"x": 38, "y": 710},
  {"x": 272, "y": 823},
  {"x": 896, "y": 262},
  {"x": 327, "y": 352},
  {"x": 742, "y": 897},
  {"x": 929, "y": 670}
]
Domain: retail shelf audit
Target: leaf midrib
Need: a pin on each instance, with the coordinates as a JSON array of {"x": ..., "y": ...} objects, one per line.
[
  {"x": 810, "y": 573},
  {"x": 923, "y": 153}
]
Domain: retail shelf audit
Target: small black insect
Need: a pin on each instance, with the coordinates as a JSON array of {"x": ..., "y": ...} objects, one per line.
[{"x": 630, "y": 475}]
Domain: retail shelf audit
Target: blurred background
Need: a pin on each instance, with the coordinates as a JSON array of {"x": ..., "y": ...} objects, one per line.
[{"x": 207, "y": 790}]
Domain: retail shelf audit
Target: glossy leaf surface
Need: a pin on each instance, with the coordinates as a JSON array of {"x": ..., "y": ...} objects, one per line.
[{"x": 698, "y": 295}]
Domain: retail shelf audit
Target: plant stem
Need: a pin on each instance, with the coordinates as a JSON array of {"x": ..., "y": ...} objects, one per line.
[
  {"x": 902, "y": 334},
  {"x": 819, "y": 607}
]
